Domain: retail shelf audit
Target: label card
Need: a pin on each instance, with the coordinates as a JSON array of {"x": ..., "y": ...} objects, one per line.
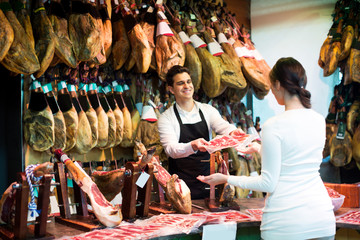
[
  {"x": 143, "y": 178},
  {"x": 225, "y": 231}
]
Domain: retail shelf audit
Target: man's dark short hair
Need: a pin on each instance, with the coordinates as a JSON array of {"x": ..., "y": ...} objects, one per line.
[{"x": 174, "y": 70}]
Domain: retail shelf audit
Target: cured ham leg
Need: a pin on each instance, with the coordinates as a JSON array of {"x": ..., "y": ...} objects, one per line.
[
  {"x": 83, "y": 32},
  {"x": 21, "y": 57},
  {"x": 176, "y": 190},
  {"x": 110, "y": 183},
  {"x": 6, "y": 35},
  {"x": 211, "y": 66},
  {"x": 39, "y": 122},
  {"x": 64, "y": 49},
  {"x": 141, "y": 51},
  {"x": 168, "y": 50},
  {"x": 121, "y": 48},
  {"x": 105, "y": 212},
  {"x": 45, "y": 38}
]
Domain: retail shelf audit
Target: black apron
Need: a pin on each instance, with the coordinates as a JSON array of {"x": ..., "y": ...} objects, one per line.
[{"x": 190, "y": 167}]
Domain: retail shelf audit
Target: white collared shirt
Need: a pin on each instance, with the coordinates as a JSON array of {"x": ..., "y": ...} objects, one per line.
[{"x": 169, "y": 127}]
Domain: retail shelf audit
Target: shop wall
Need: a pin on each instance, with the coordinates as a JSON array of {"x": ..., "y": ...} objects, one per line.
[
  {"x": 293, "y": 28},
  {"x": 10, "y": 129}
]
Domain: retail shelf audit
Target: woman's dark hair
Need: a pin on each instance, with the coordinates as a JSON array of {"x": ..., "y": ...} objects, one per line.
[
  {"x": 292, "y": 77},
  {"x": 173, "y": 71}
]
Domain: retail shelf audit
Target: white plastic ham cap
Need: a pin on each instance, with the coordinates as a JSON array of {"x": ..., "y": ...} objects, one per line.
[
  {"x": 196, "y": 41},
  {"x": 163, "y": 29},
  {"x": 148, "y": 114},
  {"x": 184, "y": 37},
  {"x": 215, "y": 49}
]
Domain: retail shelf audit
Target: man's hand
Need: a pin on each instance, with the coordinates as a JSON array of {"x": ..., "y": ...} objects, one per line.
[
  {"x": 198, "y": 145},
  {"x": 237, "y": 132},
  {"x": 214, "y": 179}
]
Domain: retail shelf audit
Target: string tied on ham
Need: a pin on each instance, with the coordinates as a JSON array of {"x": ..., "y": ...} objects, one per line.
[{"x": 33, "y": 212}]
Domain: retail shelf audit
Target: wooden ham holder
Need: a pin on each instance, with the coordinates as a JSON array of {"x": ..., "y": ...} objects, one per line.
[
  {"x": 212, "y": 202},
  {"x": 133, "y": 206},
  {"x": 160, "y": 205},
  {"x": 82, "y": 220},
  {"x": 21, "y": 230}
]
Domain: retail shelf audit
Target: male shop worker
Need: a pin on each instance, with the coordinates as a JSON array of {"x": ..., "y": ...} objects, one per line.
[{"x": 185, "y": 128}]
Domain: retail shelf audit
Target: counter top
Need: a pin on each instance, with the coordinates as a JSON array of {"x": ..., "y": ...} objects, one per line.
[{"x": 59, "y": 230}]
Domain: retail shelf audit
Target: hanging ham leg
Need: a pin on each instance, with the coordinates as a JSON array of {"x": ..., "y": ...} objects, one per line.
[
  {"x": 21, "y": 57},
  {"x": 121, "y": 48},
  {"x": 45, "y": 38},
  {"x": 64, "y": 49},
  {"x": 23, "y": 17},
  {"x": 168, "y": 50},
  {"x": 141, "y": 51},
  {"x": 83, "y": 32},
  {"x": 39, "y": 122},
  {"x": 6, "y": 35},
  {"x": 192, "y": 60}
]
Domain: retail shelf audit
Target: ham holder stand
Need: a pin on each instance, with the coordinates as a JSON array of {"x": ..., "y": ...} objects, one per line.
[
  {"x": 160, "y": 205},
  {"x": 212, "y": 202},
  {"x": 135, "y": 199},
  {"x": 132, "y": 206},
  {"x": 82, "y": 220},
  {"x": 32, "y": 230}
]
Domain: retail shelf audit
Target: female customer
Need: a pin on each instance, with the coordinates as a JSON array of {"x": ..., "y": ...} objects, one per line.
[{"x": 297, "y": 205}]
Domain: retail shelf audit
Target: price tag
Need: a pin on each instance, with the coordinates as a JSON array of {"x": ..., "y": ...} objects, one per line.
[
  {"x": 213, "y": 19},
  {"x": 223, "y": 231},
  {"x": 143, "y": 178},
  {"x": 192, "y": 16},
  {"x": 150, "y": 9}
]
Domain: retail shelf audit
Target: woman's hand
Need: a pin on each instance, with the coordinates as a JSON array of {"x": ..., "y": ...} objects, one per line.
[
  {"x": 214, "y": 179},
  {"x": 199, "y": 144},
  {"x": 251, "y": 148},
  {"x": 237, "y": 132}
]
